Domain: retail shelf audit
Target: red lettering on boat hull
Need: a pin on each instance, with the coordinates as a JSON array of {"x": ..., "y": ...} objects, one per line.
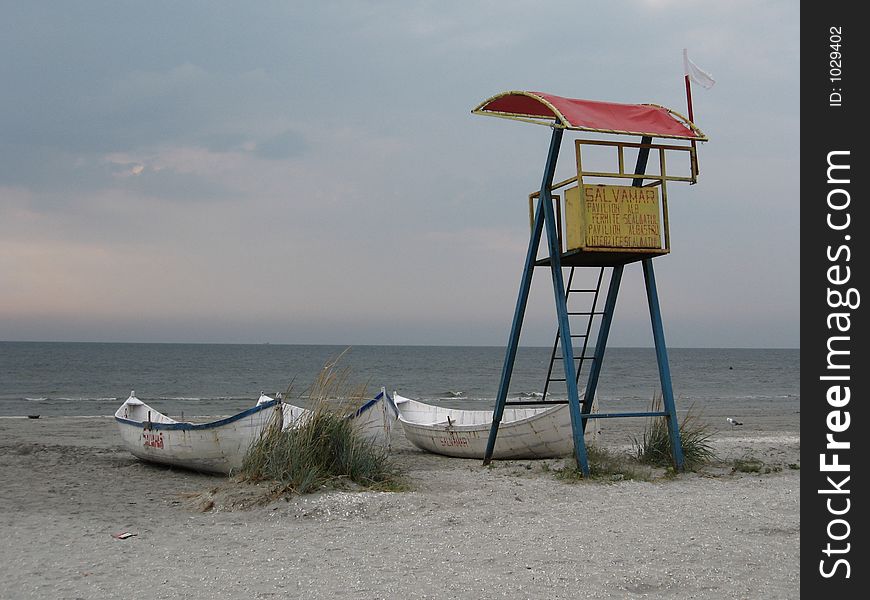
[
  {"x": 453, "y": 441},
  {"x": 151, "y": 439}
]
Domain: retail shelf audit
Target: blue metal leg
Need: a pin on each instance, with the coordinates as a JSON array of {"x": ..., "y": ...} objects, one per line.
[
  {"x": 664, "y": 368},
  {"x": 565, "y": 335},
  {"x": 544, "y": 199}
]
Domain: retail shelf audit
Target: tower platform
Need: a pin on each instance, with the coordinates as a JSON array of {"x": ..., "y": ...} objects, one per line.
[{"x": 609, "y": 258}]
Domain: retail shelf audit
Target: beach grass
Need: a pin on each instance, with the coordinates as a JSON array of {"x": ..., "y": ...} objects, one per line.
[
  {"x": 606, "y": 465},
  {"x": 748, "y": 464},
  {"x": 751, "y": 464},
  {"x": 323, "y": 448},
  {"x": 654, "y": 445}
]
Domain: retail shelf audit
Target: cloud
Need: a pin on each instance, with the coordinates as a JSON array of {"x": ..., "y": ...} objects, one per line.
[
  {"x": 284, "y": 145},
  {"x": 321, "y": 151}
]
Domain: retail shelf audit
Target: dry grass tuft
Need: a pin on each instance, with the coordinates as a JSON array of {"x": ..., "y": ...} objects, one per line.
[
  {"x": 654, "y": 447},
  {"x": 323, "y": 446}
]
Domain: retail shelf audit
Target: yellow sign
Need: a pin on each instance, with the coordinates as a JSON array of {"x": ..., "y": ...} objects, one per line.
[{"x": 612, "y": 216}]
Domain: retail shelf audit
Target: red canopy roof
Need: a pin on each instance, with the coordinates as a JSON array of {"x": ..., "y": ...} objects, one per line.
[{"x": 591, "y": 115}]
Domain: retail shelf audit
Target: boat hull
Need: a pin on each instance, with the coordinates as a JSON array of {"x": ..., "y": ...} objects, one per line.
[
  {"x": 215, "y": 447},
  {"x": 523, "y": 433}
]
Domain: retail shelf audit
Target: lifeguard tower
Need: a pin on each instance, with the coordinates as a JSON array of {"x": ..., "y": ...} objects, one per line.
[{"x": 610, "y": 217}]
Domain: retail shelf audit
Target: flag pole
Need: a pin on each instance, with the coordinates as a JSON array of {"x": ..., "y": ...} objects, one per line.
[
  {"x": 689, "y": 98},
  {"x": 694, "y": 159}
]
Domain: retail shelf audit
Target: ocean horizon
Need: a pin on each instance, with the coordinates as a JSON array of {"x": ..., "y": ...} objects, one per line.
[{"x": 93, "y": 378}]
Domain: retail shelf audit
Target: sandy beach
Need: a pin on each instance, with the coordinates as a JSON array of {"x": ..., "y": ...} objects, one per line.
[{"x": 513, "y": 530}]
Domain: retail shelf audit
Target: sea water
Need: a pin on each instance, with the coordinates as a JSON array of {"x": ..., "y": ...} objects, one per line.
[{"x": 84, "y": 379}]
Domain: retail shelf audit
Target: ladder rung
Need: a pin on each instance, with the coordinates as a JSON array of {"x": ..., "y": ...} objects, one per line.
[
  {"x": 534, "y": 402},
  {"x": 619, "y": 415},
  {"x": 589, "y": 321}
]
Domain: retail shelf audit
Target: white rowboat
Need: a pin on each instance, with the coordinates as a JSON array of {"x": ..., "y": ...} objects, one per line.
[
  {"x": 534, "y": 432},
  {"x": 220, "y": 446}
]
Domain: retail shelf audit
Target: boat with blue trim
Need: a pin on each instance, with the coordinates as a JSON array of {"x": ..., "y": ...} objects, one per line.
[{"x": 220, "y": 446}]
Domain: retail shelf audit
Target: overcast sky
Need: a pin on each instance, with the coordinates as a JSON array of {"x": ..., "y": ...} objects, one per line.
[{"x": 310, "y": 172}]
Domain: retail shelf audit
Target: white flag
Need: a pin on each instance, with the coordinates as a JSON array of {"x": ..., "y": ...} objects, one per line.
[{"x": 695, "y": 73}]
